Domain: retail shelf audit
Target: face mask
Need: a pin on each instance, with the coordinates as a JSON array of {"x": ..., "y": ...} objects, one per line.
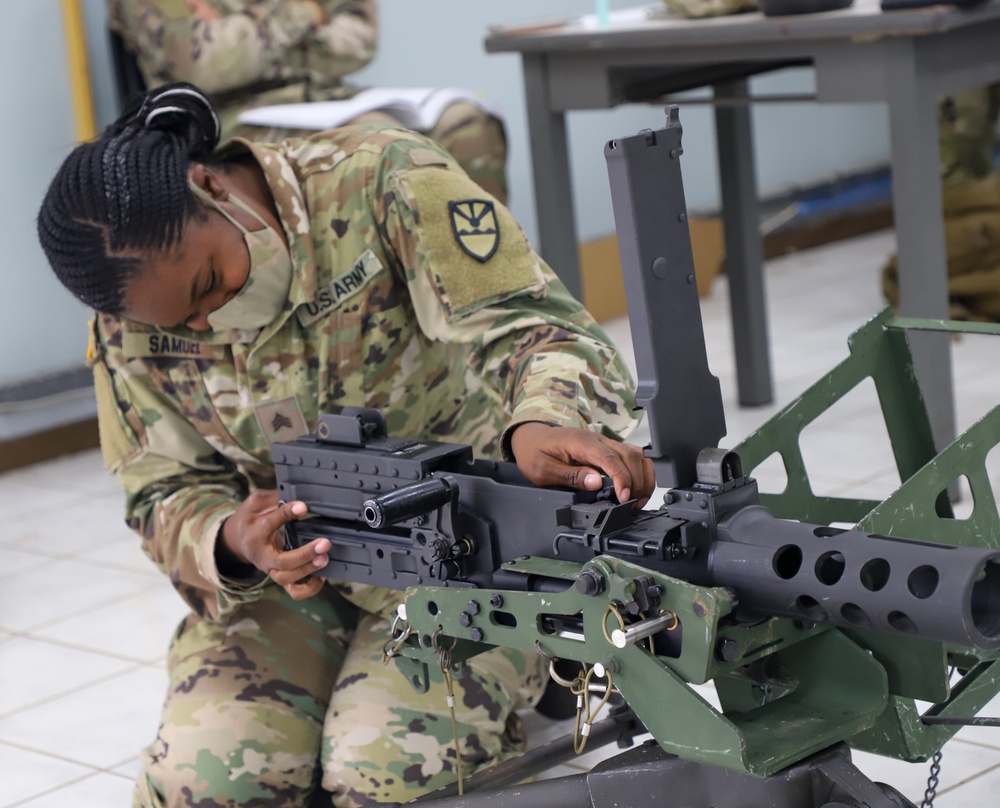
[{"x": 263, "y": 295}]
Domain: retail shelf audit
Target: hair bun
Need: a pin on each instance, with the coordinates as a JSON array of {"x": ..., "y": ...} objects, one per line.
[{"x": 183, "y": 109}]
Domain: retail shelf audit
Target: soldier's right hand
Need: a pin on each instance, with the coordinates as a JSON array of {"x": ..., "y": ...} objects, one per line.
[{"x": 252, "y": 537}]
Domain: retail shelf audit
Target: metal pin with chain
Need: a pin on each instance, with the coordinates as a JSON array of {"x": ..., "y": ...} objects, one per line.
[{"x": 444, "y": 658}]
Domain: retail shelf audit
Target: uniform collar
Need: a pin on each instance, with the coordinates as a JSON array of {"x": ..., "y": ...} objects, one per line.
[{"x": 293, "y": 212}]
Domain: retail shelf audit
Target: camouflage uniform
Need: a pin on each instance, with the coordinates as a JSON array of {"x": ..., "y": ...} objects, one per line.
[
  {"x": 261, "y": 52},
  {"x": 455, "y": 332},
  {"x": 967, "y": 125},
  {"x": 709, "y": 8}
]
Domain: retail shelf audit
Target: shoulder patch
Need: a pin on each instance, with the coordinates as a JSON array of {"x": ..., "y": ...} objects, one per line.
[
  {"x": 474, "y": 250},
  {"x": 475, "y": 227},
  {"x": 95, "y": 350},
  {"x": 345, "y": 285}
]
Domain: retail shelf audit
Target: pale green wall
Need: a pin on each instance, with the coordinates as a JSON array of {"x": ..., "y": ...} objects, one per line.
[{"x": 42, "y": 328}]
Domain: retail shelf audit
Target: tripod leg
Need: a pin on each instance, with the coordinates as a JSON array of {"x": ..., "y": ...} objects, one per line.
[
  {"x": 852, "y": 789},
  {"x": 648, "y": 777}
]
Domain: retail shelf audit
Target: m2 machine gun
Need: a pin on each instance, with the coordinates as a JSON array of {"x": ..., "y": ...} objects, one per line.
[{"x": 818, "y": 638}]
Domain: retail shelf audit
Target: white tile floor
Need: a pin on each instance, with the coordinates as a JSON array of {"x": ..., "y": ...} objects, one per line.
[{"x": 84, "y": 617}]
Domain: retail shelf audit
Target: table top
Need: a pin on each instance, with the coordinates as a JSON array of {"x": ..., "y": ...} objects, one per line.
[{"x": 654, "y": 26}]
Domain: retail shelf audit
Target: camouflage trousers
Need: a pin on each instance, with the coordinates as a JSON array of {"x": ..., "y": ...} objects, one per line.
[
  {"x": 283, "y": 696},
  {"x": 474, "y": 137}
]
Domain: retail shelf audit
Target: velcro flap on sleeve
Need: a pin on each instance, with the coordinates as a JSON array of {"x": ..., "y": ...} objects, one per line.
[
  {"x": 173, "y": 9},
  {"x": 474, "y": 251}
]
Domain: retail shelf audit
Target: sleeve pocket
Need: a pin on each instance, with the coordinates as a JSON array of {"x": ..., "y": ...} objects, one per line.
[{"x": 118, "y": 441}]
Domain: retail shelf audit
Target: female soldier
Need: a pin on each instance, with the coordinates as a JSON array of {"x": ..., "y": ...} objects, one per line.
[{"x": 241, "y": 293}]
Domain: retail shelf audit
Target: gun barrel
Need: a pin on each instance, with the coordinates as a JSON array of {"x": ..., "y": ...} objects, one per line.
[
  {"x": 857, "y": 580},
  {"x": 407, "y": 502}
]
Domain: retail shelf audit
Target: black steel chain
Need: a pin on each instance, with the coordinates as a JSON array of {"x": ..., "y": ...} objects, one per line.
[{"x": 932, "y": 781}]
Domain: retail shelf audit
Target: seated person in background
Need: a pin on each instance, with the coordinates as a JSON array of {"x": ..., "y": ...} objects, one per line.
[
  {"x": 967, "y": 128},
  {"x": 216, "y": 275},
  {"x": 254, "y": 53}
]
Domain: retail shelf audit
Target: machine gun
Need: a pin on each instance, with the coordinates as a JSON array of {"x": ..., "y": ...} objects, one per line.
[
  {"x": 810, "y": 633},
  {"x": 402, "y": 513}
]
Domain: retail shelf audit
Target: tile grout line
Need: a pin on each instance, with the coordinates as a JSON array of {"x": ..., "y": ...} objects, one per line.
[
  {"x": 30, "y": 630},
  {"x": 96, "y": 769},
  {"x": 93, "y": 771},
  {"x": 73, "y": 646},
  {"x": 108, "y": 677},
  {"x": 977, "y": 744},
  {"x": 82, "y": 778},
  {"x": 971, "y": 778},
  {"x": 80, "y": 558}
]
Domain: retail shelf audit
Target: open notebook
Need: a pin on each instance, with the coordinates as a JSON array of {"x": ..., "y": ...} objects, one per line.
[{"x": 417, "y": 108}]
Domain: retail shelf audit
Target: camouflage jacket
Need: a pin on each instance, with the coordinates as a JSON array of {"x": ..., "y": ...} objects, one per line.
[
  {"x": 256, "y": 52},
  {"x": 413, "y": 292}
]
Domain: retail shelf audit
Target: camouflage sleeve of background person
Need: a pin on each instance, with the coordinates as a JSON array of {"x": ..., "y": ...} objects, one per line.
[
  {"x": 344, "y": 44},
  {"x": 247, "y": 43},
  {"x": 178, "y": 488},
  {"x": 474, "y": 279}
]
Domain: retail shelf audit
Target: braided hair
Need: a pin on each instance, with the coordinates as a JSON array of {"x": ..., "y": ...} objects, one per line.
[{"x": 126, "y": 193}]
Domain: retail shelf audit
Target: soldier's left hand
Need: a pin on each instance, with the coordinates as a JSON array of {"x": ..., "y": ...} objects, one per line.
[{"x": 549, "y": 455}]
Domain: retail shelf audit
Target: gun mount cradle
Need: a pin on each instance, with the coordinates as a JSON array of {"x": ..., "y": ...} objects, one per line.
[{"x": 817, "y": 638}]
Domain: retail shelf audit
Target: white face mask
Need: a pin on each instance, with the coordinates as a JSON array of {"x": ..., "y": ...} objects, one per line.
[{"x": 265, "y": 292}]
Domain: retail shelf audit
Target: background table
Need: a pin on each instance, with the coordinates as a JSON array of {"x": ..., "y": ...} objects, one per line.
[{"x": 904, "y": 59}]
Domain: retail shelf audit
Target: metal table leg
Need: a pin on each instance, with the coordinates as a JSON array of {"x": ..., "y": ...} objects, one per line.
[
  {"x": 558, "y": 243},
  {"x": 744, "y": 248},
  {"x": 916, "y": 192}
]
